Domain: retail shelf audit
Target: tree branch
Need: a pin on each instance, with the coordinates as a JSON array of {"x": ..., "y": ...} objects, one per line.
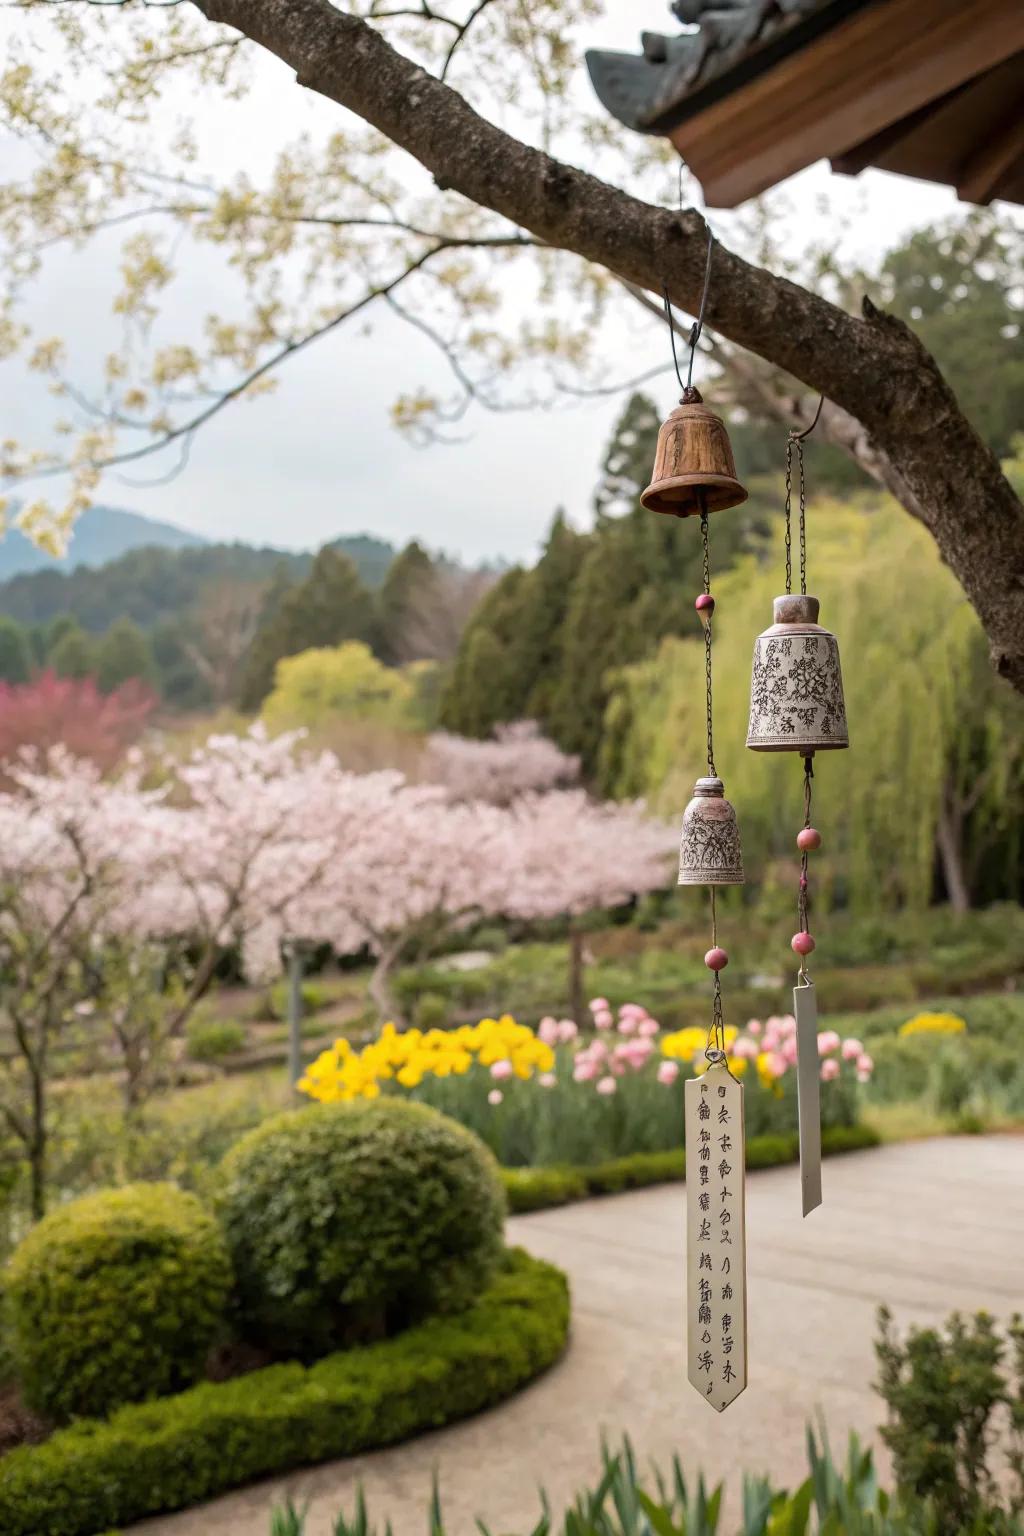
[{"x": 873, "y": 367}]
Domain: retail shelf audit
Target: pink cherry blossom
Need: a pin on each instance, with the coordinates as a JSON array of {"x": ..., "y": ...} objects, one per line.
[
  {"x": 852, "y": 1048},
  {"x": 607, "y": 1085},
  {"x": 502, "y": 1070},
  {"x": 828, "y": 1041},
  {"x": 668, "y": 1072},
  {"x": 830, "y": 1069},
  {"x": 518, "y": 761}
]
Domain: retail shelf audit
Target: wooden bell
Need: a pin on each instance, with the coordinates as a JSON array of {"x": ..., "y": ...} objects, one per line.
[{"x": 694, "y": 470}]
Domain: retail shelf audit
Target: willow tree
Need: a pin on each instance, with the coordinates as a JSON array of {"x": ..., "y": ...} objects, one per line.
[
  {"x": 344, "y": 223},
  {"x": 936, "y": 779}
]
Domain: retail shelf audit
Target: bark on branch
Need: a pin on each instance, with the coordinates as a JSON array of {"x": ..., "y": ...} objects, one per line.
[{"x": 872, "y": 366}]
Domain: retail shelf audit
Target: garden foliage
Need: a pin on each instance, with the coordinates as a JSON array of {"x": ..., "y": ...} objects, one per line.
[
  {"x": 115, "y": 1298},
  {"x": 348, "y": 1222},
  {"x": 166, "y": 1455}
]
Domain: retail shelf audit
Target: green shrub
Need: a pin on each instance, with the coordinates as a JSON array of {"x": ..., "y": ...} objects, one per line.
[
  {"x": 116, "y": 1297},
  {"x": 350, "y": 1221},
  {"x": 535, "y": 1189},
  {"x": 163, "y": 1456},
  {"x": 431, "y": 1011},
  {"x": 315, "y": 998},
  {"x": 944, "y": 1388},
  {"x": 532, "y": 1189},
  {"x": 213, "y": 1039}
]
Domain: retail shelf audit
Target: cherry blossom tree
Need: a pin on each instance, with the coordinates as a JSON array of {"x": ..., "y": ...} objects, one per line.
[
  {"x": 572, "y": 855},
  {"x": 518, "y": 761},
  {"x": 51, "y": 711}
]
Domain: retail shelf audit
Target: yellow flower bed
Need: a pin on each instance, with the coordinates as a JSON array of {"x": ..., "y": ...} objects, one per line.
[
  {"x": 934, "y": 1024},
  {"x": 685, "y": 1044},
  {"x": 341, "y": 1073}
]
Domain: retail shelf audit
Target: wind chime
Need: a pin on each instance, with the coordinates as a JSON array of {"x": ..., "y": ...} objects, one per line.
[
  {"x": 797, "y": 705},
  {"x": 695, "y": 475}
]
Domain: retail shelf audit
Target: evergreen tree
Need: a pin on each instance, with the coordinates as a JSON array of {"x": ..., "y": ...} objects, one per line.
[
  {"x": 72, "y": 655},
  {"x": 332, "y": 605},
  {"x": 123, "y": 653},
  {"x": 408, "y": 572},
  {"x": 627, "y": 462},
  {"x": 15, "y": 652}
]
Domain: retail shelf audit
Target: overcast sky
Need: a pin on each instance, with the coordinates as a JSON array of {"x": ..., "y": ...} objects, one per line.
[{"x": 320, "y": 458}]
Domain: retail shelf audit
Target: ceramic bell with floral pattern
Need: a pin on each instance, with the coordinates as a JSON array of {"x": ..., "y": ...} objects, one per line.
[{"x": 796, "y": 695}]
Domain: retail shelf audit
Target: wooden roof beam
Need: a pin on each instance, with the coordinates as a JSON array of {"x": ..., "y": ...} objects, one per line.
[{"x": 985, "y": 168}]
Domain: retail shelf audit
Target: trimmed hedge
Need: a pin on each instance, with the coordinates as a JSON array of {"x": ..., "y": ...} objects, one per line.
[
  {"x": 535, "y": 1189},
  {"x": 116, "y": 1297},
  {"x": 348, "y": 1222},
  {"x": 161, "y": 1456}
]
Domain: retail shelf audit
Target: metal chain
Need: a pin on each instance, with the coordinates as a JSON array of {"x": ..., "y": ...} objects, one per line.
[
  {"x": 802, "y": 900},
  {"x": 789, "y": 515},
  {"x": 707, "y": 644},
  {"x": 803, "y": 515}
]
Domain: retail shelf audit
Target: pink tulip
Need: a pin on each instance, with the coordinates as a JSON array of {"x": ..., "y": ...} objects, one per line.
[
  {"x": 632, "y": 1011},
  {"x": 598, "y": 1005},
  {"x": 502, "y": 1070},
  {"x": 668, "y": 1071},
  {"x": 547, "y": 1080},
  {"x": 604, "y": 1018},
  {"x": 607, "y": 1085},
  {"x": 754, "y": 1027},
  {"x": 863, "y": 1077},
  {"x": 787, "y": 1024},
  {"x": 585, "y": 1070},
  {"x": 495, "y": 1096},
  {"x": 828, "y": 1041},
  {"x": 789, "y": 1052},
  {"x": 628, "y": 1025},
  {"x": 852, "y": 1049},
  {"x": 777, "y": 1064},
  {"x": 648, "y": 1028},
  {"x": 830, "y": 1069},
  {"x": 565, "y": 1030},
  {"x": 547, "y": 1030},
  {"x": 866, "y": 1064}
]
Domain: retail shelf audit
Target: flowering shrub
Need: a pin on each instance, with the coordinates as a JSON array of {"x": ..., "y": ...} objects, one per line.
[
  {"x": 509, "y": 1050},
  {"x": 551, "y": 1096},
  {"x": 934, "y": 1024}
]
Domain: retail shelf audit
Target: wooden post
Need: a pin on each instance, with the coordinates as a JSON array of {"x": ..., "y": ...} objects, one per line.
[{"x": 295, "y": 970}]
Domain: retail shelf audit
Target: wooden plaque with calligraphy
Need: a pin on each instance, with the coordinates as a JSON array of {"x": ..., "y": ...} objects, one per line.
[
  {"x": 716, "y": 1246},
  {"x": 808, "y": 1093}
]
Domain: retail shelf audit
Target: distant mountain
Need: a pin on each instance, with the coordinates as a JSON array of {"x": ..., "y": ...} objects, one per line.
[
  {"x": 101, "y": 535},
  {"x": 152, "y": 584}
]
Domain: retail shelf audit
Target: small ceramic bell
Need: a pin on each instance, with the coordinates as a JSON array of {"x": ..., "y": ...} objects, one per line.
[
  {"x": 694, "y": 470},
  {"x": 709, "y": 850},
  {"x": 796, "y": 697}
]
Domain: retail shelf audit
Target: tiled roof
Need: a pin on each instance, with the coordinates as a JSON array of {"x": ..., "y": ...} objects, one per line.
[{"x": 648, "y": 91}]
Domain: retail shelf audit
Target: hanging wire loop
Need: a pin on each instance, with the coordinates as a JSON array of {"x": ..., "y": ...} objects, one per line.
[{"x": 697, "y": 326}]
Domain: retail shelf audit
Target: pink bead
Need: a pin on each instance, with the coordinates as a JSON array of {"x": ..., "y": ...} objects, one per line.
[
  {"x": 808, "y": 840},
  {"x": 716, "y": 959},
  {"x": 705, "y": 605},
  {"x": 802, "y": 943},
  {"x": 803, "y": 882}
]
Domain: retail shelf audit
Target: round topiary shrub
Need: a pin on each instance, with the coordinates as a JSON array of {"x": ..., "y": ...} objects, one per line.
[
  {"x": 115, "y": 1298},
  {"x": 348, "y": 1222}
]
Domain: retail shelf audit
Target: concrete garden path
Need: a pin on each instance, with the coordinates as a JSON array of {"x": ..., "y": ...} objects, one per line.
[{"x": 924, "y": 1226}]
